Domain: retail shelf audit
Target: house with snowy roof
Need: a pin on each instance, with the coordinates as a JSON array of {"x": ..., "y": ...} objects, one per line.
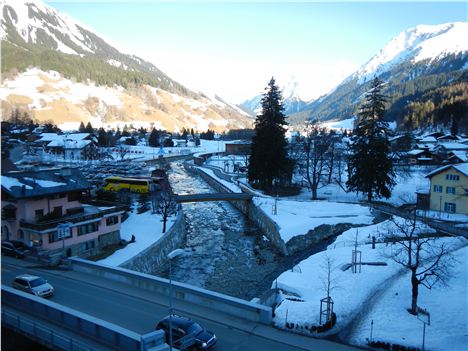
[
  {"x": 449, "y": 189},
  {"x": 74, "y": 146},
  {"x": 38, "y": 204}
]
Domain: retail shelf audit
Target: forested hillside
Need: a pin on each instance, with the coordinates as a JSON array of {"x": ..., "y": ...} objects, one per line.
[{"x": 17, "y": 58}]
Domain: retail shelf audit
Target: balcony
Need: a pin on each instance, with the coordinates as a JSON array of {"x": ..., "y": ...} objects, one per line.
[{"x": 90, "y": 212}]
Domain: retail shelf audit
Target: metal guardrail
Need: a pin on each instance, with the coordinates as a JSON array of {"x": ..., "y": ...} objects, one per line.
[
  {"x": 42, "y": 334},
  {"x": 442, "y": 227}
]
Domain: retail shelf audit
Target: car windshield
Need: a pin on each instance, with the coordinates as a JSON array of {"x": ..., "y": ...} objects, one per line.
[
  {"x": 37, "y": 282},
  {"x": 195, "y": 328}
]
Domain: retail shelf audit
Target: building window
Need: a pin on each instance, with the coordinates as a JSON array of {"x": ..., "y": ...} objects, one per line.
[
  {"x": 112, "y": 220},
  {"x": 466, "y": 192},
  {"x": 38, "y": 214},
  {"x": 452, "y": 177},
  {"x": 88, "y": 228},
  {"x": 8, "y": 213},
  {"x": 450, "y": 190},
  {"x": 53, "y": 236},
  {"x": 437, "y": 188},
  {"x": 74, "y": 196},
  {"x": 450, "y": 207},
  {"x": 57, "y": 210}
]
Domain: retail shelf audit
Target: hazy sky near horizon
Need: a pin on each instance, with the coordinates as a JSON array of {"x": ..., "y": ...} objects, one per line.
[{"x": 232, "y": 49}]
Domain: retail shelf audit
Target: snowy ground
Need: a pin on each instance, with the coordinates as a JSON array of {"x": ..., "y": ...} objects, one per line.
[
  {"x": 403, "y": 192},
  {"x": 147, "y": 228},
  {"x": 451, "y": 217},
  {"x": 298, "y": 217},
  {"x": 352, "y": 292}
]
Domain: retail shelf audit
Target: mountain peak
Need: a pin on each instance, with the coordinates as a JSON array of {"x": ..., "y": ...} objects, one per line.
[{"x": 423, "y": 42}]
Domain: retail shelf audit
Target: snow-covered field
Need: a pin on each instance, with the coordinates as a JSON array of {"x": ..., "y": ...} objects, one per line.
[
  {"x": 147, "y": 228},
  {"x": 352, "y": 293},
  {"x": 298, "y": 217},
  {"x": 403, "y": 192}
]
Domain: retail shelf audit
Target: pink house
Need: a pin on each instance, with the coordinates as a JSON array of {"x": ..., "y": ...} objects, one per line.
[{"x": 35, "y": 204}]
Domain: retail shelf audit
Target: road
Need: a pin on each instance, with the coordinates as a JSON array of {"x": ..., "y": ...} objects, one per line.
[{"x": 139, "y": 310}]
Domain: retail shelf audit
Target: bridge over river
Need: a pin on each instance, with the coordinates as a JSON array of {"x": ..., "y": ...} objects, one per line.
[{"x": 207, "y": 197}]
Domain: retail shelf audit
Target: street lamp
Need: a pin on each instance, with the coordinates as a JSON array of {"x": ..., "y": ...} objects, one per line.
[{"x": 171, "y": 256}]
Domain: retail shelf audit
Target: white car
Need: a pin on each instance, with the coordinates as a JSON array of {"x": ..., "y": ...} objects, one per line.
[{"x": 34, "y": 285}]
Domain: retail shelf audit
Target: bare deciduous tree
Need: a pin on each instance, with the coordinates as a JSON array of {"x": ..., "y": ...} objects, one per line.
[
  {"x": 313, "y": 162},
  {"x": 166, "y": 208},
  {"x": 427, "y": 257},
  {"x": 328, "y": 282}
]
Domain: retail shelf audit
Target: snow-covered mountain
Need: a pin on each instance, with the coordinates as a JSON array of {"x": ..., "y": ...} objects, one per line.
[
  {"x": 36, "y": 35},
  {"x": 415, "y": 61},
  {"x": 292, "y": 101},
  {"x": 422, "y": 43}
]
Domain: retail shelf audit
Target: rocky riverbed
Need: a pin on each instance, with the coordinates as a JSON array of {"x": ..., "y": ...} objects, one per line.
[{"x": 223, "y": 250}]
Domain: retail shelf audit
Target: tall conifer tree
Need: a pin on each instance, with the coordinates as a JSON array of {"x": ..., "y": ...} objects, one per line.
[
  {"x": 269, "y": 159},
  {"x": 371, "y": 167}
]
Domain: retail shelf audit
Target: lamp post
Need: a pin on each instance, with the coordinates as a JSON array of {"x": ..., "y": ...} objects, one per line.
[{"x": 171, "y": 256}]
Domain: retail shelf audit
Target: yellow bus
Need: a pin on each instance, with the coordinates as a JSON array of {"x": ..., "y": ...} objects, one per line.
[{"x": 131, "y": 184}]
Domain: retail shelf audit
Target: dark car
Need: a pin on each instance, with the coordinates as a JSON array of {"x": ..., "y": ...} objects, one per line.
[
  {"x": 187, "y": 334},
  {"x": 15, "y": 248}
]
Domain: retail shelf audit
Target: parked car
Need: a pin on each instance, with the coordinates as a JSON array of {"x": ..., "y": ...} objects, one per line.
[
  {"x": 15, "y": 248},
  {"x": 187, "y": 334},
  {"x": 34, "y": 285}
]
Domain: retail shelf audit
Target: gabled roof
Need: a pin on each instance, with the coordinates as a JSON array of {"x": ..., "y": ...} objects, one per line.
[
  {"x": 69, "y": 144},
  {"x": 28, "y": 184},
  {"x": 460, "y": 167},
  {"x": 415, "y": 152},
  {"x": 461, "y": 155},
  {"x": 453, "y": 146}
]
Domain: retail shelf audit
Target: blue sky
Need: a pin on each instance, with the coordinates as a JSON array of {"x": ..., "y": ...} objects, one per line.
[{"x": 233, "y": 48}]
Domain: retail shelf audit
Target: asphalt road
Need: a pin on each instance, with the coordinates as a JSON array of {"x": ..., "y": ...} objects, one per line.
[{"x": 139, "y": 311}]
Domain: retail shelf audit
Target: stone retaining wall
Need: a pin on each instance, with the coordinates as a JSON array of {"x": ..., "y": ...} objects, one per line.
[{"x": 156, "y": 254}]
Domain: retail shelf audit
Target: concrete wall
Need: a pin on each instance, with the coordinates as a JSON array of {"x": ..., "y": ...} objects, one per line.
[
  {"x": 90, "y": 327},
  {"x": 205, "y": 298},
  {"x": 254, "y": 213},
  {"x": 156, "y": 254}
]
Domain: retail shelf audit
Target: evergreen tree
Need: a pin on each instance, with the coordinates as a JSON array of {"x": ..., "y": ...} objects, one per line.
[
  {"x": 370, "y": 165},
  {"x": 130, "y": 141},
  {"x": 89, "y": 128},
  {"x": 102, "y": 137},
  {"x": 153, "y": 139},
  {"x": 125, "y": 131},
  {"x": 269, "y": 159},
  {"x": 82, "y": 127}
]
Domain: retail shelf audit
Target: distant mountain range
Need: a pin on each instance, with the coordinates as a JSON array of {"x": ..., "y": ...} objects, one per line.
[
  {"x": 291, "y": 100},
  {"x": 413, "y": 65},
  {"x": 63, "y": 58}
]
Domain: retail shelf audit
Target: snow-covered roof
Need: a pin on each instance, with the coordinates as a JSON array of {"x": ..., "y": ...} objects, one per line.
[
  {"x": 460, "y": 167},
  {"x": 429, "y": 139},
  {"x": 415, "y": 152},
  {"x": 454, "y": 146},
  {"x": 461, "y": 155},
  {"x": 425, "y": 146},
  {"x": 27, "y": 184},
  {"x": 76, "y": 136},
  {"x": 69, "y": 144},
  {"x": 48, "y": 136}
]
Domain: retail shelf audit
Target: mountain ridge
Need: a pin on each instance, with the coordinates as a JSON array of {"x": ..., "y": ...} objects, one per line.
[
  {"x": 36, "y": 35},
  {"x": 413, "y": 62}
]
